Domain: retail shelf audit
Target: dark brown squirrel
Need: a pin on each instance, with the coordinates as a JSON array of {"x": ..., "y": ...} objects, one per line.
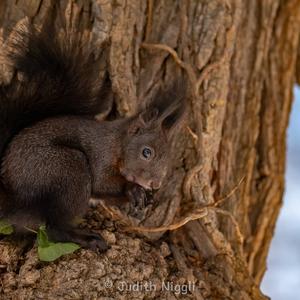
[{"x": 56, "y": 156}]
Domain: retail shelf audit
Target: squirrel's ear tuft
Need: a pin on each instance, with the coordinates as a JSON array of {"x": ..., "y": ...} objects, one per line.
[
  {"x": 149, "y": 116},
  {"x": 143, "y": 120},
  {"x": 174, "y": 119},
  {"x": 171, "y": 105}
]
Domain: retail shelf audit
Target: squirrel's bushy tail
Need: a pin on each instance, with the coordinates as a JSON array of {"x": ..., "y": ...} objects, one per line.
[{"x": 56, "y": 76}]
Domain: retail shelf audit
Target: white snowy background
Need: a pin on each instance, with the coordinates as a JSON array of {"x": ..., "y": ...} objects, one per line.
[{"x": 282, "y": 279}]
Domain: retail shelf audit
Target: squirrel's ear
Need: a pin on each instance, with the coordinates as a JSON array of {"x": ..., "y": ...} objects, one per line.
[
  {"x": 144, "y": 120},
  {"x": 135, "y": 126}
]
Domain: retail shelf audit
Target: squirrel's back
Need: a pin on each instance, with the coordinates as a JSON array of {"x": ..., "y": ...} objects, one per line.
[{"x": 56, "y": 76}]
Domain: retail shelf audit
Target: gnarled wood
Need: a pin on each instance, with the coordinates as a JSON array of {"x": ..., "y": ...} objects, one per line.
[{"x": 240, "y": 59}]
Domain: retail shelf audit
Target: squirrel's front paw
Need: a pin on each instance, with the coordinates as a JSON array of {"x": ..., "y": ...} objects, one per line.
[
  {"x": 82, "y": 237},
  {"x": 139, "y": 201},
  {"x": 95, "y": 242}
]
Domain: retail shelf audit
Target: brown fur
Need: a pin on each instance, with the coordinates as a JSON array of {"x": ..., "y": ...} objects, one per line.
[{"x": 55, "y": 156}]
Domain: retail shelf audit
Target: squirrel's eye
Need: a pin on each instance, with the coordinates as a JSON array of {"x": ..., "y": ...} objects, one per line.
[{"x": 147, "y": 152}]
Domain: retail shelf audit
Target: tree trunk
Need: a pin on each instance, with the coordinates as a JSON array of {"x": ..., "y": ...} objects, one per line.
[{"x": 224, "y": 188}]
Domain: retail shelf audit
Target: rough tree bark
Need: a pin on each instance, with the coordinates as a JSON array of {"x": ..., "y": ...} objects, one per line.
[{"x": 227, "y": 173}]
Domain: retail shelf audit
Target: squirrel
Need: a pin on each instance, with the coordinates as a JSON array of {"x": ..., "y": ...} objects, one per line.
[{"x": 55, "y": 155}]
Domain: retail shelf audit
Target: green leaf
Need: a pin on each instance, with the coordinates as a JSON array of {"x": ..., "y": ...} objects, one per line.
[
  {"x": 5, "y": 228},
  {"x": 49, "y": 251},
  {"x": 42, "y": 237},
  {"x": 56, "y": 250}
]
